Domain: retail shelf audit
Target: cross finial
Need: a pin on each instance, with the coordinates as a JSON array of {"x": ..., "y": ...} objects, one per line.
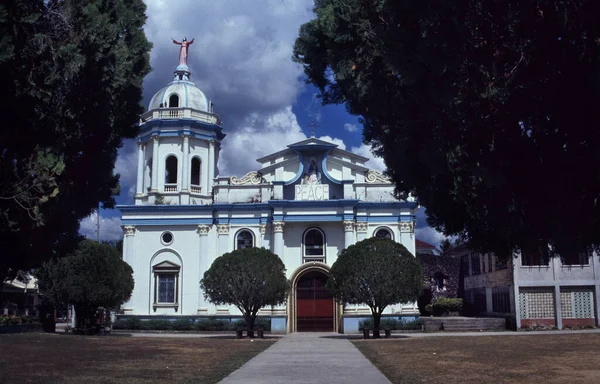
[{"x": 312, "y": 125}]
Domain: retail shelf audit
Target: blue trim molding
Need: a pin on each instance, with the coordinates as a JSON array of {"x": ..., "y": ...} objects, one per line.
[
  {"x": 324, "y": 168},
  {"x": 300, "y": 169}
]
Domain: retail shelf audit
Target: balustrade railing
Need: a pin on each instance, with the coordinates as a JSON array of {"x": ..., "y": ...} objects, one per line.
[
  {"x": 195, "y": 189},
  {"x": 181, "y": 113},
  {"x": 170, "y": 187}
]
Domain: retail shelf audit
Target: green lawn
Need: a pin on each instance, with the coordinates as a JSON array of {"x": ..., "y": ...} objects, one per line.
[
  {"x": 548, "y": 359},
  {"x": 59, "y": 358}
]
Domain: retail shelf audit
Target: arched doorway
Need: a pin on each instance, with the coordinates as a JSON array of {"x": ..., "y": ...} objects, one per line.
[{"x": 314, "y": 304}]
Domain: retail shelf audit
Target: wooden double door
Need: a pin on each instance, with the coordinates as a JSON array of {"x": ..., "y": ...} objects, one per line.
[{"x": 314, "y": 304}]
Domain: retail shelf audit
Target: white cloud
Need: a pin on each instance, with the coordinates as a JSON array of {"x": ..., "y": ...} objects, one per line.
[
  {"x": 241, "y": 53},
  {"x": 375, "y": 162},
  {"x": 110, "y": 228},
  {"x": 259, "y": 136},
  {"x": 350, "y": 127},
  {"x": 429, "y": 235},
  {"x": 126, "y": 166},
  {"x": 334, "y": 140}
]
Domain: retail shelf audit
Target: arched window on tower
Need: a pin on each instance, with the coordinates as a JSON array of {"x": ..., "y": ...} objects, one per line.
[
  {"x": 173, "y": 101},
  {"x": 244, "y": 239},
  {"x": 195, "y": 175},
  {"x": 171, "y": 174},
  {"x": 383, "y": 233},
  {"x": 314, "y": 245}
]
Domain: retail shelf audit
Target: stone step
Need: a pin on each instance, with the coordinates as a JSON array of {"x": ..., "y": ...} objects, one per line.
[{"x": 432, "y": 324}]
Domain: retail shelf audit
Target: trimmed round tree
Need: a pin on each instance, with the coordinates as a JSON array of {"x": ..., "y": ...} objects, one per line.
[
  {"x": 249, "y": 278},
  {"x": 378, "y": 273},
  {"x": 94, "y": 276}
]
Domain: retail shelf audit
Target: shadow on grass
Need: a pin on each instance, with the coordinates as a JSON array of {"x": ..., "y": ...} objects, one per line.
[{"x": 360, "y": 337}]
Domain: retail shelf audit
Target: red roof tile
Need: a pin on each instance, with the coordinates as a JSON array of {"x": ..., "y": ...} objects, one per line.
[{"x": 422, "y": 244}]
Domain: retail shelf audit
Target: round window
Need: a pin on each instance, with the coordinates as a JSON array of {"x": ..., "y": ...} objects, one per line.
[{"x": 167, "y": 238}]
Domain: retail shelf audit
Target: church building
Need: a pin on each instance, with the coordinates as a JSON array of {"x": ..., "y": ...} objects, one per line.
[{"x": 306, "y": 203}]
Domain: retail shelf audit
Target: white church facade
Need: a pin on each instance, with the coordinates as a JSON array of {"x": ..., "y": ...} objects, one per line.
[{"x": 305, "y": 203}]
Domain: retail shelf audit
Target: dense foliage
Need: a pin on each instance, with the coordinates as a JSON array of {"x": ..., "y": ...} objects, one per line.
[
  {"x": 94, "y": 276},
  {"x": 71, "y": 81},
  {"x": 202, "y": 324},
  {"x": 249, "y": 278},
  {"x": 378, "y": 273},
  {"x": 486, "y": 111},
  {"x": 445, "y": 305}
]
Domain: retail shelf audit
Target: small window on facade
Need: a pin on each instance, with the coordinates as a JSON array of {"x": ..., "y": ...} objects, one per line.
[
  {"x": 174, "y": 101},
  {"x": 576, "y": 258},
  {"x": 501, "y": 263},
  {"x": 171, "y": 170},
  {"x": 244, "y": 239},
  {"x": 166, "y": 238},
  {"x": 490, "y": 264},
  {"x": 383, "y": 233},
  {"x": 166, "y": 288},
  {"x": 537, "y": 257},
  {"x": 166, "y": 285},
  {"x": 195, "y": 172},
  {"x": 475, "y": 264},
  {"x": 314, "y": 245}
]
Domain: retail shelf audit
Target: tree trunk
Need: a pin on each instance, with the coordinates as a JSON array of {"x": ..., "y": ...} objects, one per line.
[
  {"x": 250, "y": 323},
  {"x": 376, "y": 322}
]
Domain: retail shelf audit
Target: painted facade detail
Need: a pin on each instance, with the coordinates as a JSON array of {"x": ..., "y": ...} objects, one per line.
[
  {"x": 203, "y": 229},
  {"x": 312, "y": 192},
  {"x": 374, "y": 176},
  {"x": 129, "y": 230},
  {"x": 306, "y": 203},
  {"x": 348, "y": 226},
  {"x": 223, "y": 229},
  {"x": 250, "y": 178}
]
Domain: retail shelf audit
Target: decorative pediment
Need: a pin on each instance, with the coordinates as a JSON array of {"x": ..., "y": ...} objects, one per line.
[
  {"x": 166, "y": 266},
  {"x": 250, "y": 178},
  {"x": 374, "y": 176}
]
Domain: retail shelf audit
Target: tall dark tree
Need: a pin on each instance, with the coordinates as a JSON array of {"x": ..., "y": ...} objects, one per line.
[
  {"x": 486, "y": 111},
  {"x": 249, "y": 278},
  {"x": 94, "y": 276},
  {"x": 445, "y": 245},
  {"x": 71, "y": 78},
  {"x": 378, "y": 273}
]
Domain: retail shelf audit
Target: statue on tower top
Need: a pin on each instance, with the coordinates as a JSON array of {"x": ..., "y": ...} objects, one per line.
[{"x": 183, "y": 50}]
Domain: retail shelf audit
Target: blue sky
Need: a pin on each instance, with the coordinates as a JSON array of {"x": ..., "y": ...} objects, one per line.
[{"x": 241, "y": 59}]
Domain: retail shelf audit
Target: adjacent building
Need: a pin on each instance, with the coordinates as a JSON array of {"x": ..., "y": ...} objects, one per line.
[{"x": 534, "y": 289}]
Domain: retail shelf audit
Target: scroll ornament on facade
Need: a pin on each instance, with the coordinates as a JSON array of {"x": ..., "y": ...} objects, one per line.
[
  {"x": 250, "y": 178},
  {"x": 373, "y": 176}
]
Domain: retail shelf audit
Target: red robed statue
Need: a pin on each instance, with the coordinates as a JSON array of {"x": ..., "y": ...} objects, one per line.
[{"x": 183, "y": 50}]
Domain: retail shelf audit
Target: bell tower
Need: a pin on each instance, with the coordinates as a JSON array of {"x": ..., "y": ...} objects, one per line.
[{"x": 180, "y": 138}]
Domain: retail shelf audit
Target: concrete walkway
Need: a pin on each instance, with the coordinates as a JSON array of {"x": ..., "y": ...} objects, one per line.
[{"x": 308, "y": 358}]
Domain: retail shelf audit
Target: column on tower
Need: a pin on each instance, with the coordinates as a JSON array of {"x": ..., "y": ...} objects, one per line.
[
  {"x": 185, "y": 177},
  {"x": 155, "y": 163},
  {"x": 211, "y": 165},
  {"x": 140, "y": 170}
]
